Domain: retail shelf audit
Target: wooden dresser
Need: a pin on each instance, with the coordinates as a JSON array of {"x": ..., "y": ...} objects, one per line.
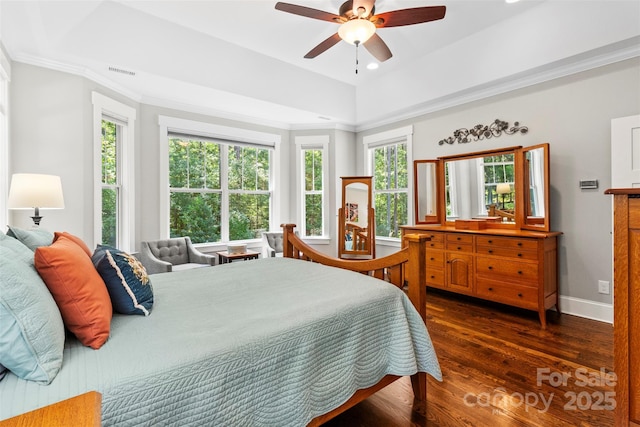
[
  {"x": 514, "y": 267},
  {"x": 626, "y": 304}
]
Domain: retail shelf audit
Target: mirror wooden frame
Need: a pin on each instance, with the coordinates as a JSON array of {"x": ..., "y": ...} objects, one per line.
[
  {"x": 522, "y": 199},
  {"x": 362, "y": 238}
]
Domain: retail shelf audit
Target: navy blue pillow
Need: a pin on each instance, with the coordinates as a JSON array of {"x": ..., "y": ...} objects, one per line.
[{"x": 126, "y": 279}]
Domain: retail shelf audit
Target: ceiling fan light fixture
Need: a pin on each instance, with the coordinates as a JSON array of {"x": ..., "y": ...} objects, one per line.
[{"x": 356, "y": 31}]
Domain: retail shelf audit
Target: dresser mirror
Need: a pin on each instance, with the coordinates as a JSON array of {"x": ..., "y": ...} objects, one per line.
[
  {"x": 356, "y": 219},
  {"x": 536, "y": 187},
  {"x": 505, "y": 188},
  {"x": 425, "y": 176},
  {"x": 481, "y": 186}
]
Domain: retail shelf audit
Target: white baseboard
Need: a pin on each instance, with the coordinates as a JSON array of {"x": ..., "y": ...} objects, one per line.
[{"x": 585, "y": 308}]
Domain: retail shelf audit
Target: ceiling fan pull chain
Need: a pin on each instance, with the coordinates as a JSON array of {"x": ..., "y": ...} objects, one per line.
[{"x": 357, "y": 43}]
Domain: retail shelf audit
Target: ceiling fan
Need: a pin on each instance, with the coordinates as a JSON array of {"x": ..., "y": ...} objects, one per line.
[{"x": 358, "y": 23}]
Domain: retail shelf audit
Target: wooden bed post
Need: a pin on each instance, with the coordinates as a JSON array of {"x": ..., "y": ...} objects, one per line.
[
  {"x": 287, "y": 248},
  {"x": 416, "y": 277}
]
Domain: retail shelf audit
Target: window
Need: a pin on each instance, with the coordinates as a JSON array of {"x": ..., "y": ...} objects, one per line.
[
  {"x": 388, "y": 156},
  {"x": 198, "y": 190},
  {"x": 497, "y": 170},
  {"x": 114, "y": 196},
  {"x": 313, "y": 174},
  {"x": 111, "y": 188},
  {"x": 219, "y": 181}
]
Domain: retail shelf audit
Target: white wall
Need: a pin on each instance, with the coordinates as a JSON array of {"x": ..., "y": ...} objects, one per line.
[
  {"x": 51, "y": 133},
  {"x": 573, "y": 115}
]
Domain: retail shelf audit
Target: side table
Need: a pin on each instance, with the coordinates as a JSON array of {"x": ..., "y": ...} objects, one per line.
[{"x": 225, "y": 257}]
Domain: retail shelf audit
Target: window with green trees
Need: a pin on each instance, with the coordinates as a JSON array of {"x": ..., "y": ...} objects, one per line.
[
  {"x": 313, "y": 192},
  {"x": 391, "y": 188},
  {"x": 498, "y": 170},
  {"x": 111, "y": 189},
  {"x": 218, "y": 192}
]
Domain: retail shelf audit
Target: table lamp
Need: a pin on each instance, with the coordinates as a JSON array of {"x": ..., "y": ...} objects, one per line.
[
  {"x": 35, "y": 191},
  {"x": 502, "y": 189}
]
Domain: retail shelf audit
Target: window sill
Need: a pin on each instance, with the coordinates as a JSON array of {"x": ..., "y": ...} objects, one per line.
[
  {"x": 317, "y": 240},
  {"x": 394, "y": 243}
]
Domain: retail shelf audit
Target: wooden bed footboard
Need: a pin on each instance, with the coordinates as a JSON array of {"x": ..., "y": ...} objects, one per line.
[{"x": 405, "y": 268}]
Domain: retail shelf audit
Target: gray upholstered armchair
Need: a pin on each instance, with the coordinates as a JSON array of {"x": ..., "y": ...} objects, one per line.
[
  {"x": 178, "y": 253},
  {"x": 273, "y": 244}
]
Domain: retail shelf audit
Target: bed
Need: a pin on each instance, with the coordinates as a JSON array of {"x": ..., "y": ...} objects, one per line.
[{"x": 276, "y": 341}]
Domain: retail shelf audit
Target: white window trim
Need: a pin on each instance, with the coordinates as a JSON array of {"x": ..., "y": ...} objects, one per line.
[
  {"x": 304, "y": 143},
  {"x": 403, "y": 134},
  {"x": 104, "y": 105},
  {"x": 5, "y": 78},
  {"x": 175, "y": 124}
]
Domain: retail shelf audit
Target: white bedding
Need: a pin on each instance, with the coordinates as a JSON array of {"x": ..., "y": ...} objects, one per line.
[{"x": 270, "y": 342}]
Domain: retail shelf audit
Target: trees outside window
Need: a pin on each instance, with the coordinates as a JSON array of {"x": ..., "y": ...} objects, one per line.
[
  {"x": 391, "y": 188},
  {"x": 111, "y": 137},
  {"x": 313, "y": 192},
  {"x": 312, "y": 171},
  {"x": 114, "y": 172},
  {"x": 498, "y": 170},
  {"x": 387, "y": 159},
  {"x": 212, "y": 203}
]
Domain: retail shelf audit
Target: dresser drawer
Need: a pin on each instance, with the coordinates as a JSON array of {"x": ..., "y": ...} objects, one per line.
[
  {"x": 507, "y": 242},
  {"x": 501, "y": 269},
  {"x": 459, "y": 247},
  {"x": 522, "y": 296},
  {"x": 435, "y": 259},
  {"x": 507, "y": 252},
  {"x": 457, "y": 238},
  {"x": 435, "y": 277}
]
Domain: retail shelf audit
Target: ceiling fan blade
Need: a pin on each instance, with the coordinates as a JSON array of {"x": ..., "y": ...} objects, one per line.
[
  {"x": 378, "y": 48},
  {"x": 366, "y": 4},
  {"x": 416, "y": 15},
  {"x": 323, "y": 46},
  {"x": 308, "y": 12}
]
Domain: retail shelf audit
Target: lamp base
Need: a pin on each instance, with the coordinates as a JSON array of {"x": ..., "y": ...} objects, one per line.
[{"x": 36, "y": 220}]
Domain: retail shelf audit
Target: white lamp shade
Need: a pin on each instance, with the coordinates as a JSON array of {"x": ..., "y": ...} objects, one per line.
[
  {"x": 30, "y": 190},
  {"x": 503, "y": 188},
  {"x": 356, "y": 30}
]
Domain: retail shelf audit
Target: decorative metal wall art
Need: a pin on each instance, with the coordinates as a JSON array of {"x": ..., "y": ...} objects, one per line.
[{"x": 479, "y": 132}]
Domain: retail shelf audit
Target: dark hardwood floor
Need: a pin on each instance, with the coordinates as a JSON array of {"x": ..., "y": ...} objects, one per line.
[{"x": 500, "y": 369}]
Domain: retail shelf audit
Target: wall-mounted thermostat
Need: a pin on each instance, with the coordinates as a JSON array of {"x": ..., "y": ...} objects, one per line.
[{"x": 588, "y": 184}]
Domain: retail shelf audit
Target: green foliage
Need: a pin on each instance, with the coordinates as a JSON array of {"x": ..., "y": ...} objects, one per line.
[
  {"x": 195, "y": 177},
  {"x": 109, "y": 182},
  {"x": 196, "y": 215},
  {"x": 313, "y": 188},
  {"x": 109, "y": 219},
  {"x": 391, "y": 189}
]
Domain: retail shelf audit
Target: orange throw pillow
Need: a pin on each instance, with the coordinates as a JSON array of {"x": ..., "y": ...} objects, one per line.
[
  {"x": 78, "y": 289},
  {"x": 75, "y": 239}
]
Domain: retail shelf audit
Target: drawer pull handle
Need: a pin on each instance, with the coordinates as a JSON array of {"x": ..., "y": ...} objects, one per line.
[
  {"x": 489, "y": 241},
  {"x": 519, "y": 254},
  {"x": 519, "y": 272},
  {"x": 459, "y": 248},
  {"x": 490, "y": 289},
  {"x": 520, "y": 295},
  {"x": 519, "y": 243},
  {"x": 490, "y": 268},
  {"x": 490, "y": 251},
  {"x": 458, "y": 238},
  {"x": 433, "y": 277}
]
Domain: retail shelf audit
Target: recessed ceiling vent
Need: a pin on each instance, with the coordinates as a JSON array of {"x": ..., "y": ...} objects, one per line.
[{"x": 121, "y": 71}]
